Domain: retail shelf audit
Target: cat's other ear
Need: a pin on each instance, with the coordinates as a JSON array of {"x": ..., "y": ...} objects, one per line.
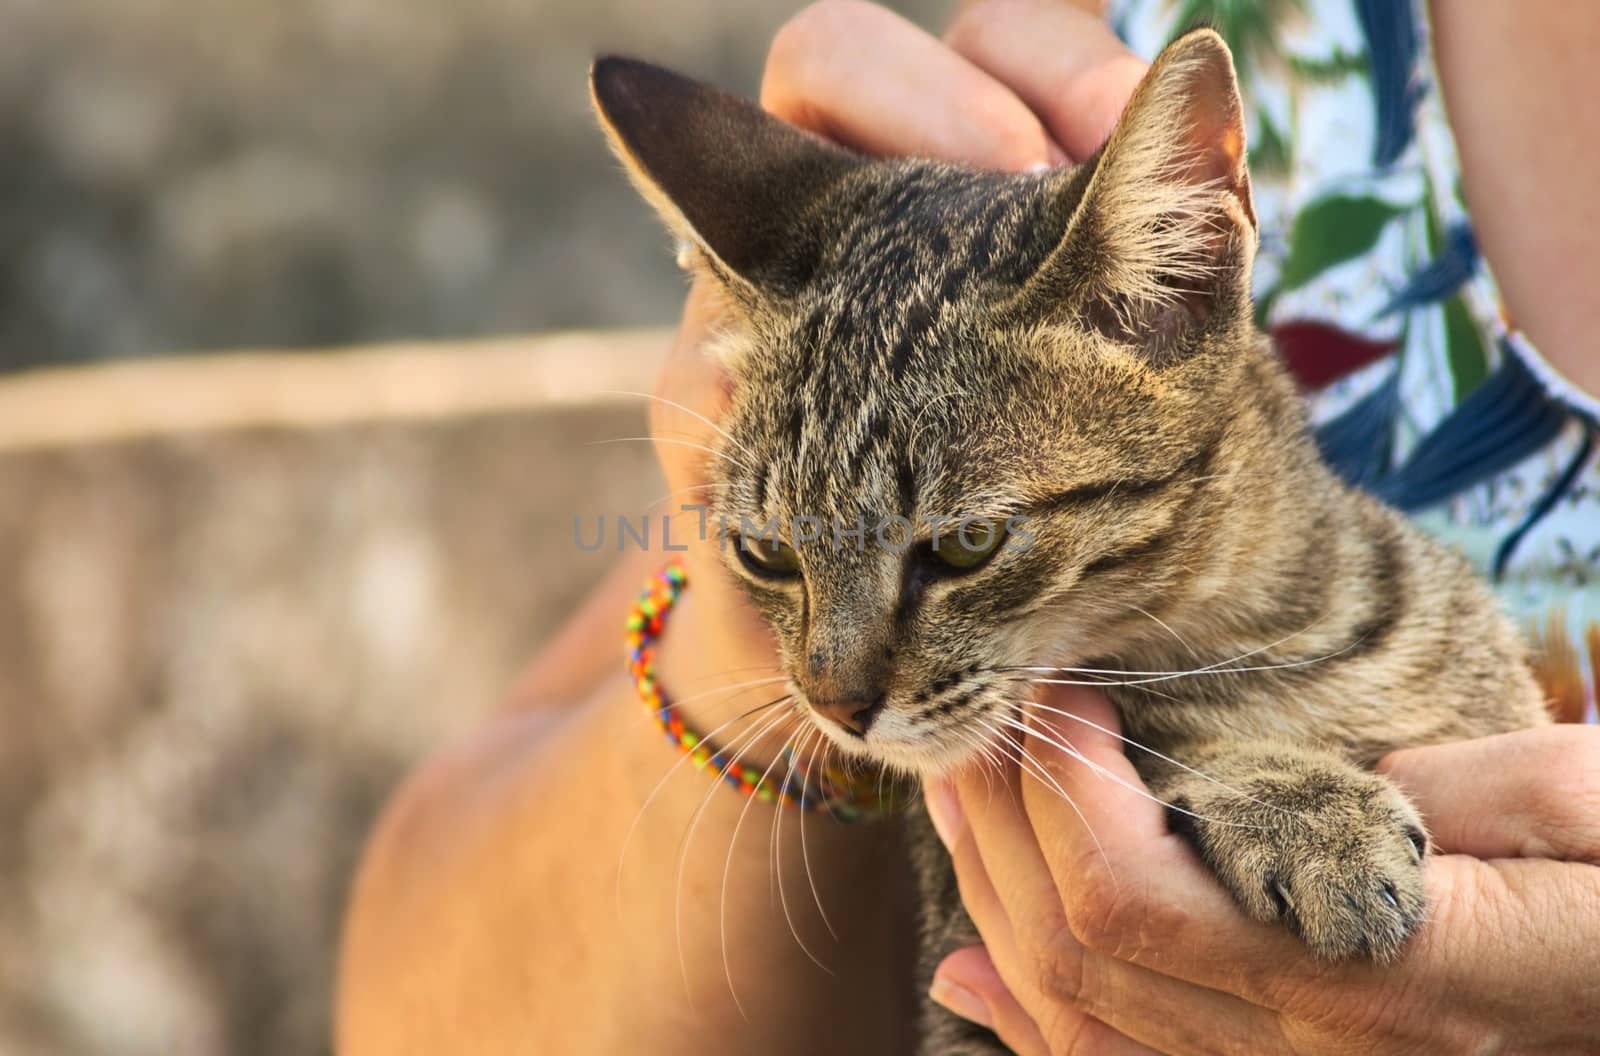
[
  {"x": 1163, "y": 236},
  {"x": 725, "y": 175}
]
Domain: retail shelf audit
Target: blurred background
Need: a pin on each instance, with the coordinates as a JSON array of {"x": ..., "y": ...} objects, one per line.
[
  {"x": 178, "y": 174},
  {"x": 242, "y": 592}
]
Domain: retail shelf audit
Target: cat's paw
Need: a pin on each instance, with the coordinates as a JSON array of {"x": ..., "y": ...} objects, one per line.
[{"x": 1335, "y": 854}]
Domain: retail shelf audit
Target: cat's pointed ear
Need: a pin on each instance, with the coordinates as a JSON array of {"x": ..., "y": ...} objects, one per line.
[
  {"x": 725, "y": 175},
  {"x": 1164, "y": 234}
]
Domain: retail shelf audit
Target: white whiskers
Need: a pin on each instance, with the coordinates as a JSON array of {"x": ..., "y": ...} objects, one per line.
[
  {"x": 1166, "y": 759},
  {"x": 777, "y": 863},
  {"x": 805, "y": 854},
  {"x": 713, "y": 452},
  {"x": 1039, "y": 773},
  {"x": 627, "y": 840},
  {"x": 693, "y": 413},
  {"x": 749, "y": 740},
  {"x": 1122, "y": 782}
]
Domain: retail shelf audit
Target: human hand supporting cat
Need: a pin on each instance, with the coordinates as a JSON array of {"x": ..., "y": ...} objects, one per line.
[
  {"x": 1105, "y": 934},
  {"x": 1014, "y": 84}
]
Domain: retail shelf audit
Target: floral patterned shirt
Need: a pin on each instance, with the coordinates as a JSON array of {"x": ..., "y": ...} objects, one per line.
[{"x": 1369, "y": 278}]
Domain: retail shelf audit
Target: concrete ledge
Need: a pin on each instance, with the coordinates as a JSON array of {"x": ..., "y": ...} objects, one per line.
[
  {"x": 301, "y": 390},
  {"x": 243, "y": 595}
]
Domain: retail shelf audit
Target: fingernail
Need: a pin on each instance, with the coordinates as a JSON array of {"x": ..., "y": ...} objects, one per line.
[
  {"x": 961, "y": 1001},
  {"x": 1037, "y": 167},
  {"x": 944, "y": 809}
]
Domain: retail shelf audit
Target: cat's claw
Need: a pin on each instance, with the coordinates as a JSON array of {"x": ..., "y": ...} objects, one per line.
[{"x": 1342, "y": 868}]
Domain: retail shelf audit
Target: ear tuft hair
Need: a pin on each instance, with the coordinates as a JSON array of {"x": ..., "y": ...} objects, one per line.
[{"x": 1166, "y": 226}]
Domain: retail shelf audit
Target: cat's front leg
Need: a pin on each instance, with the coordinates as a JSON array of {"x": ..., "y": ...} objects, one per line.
[
  {"x": 946, "y": 927},
  {"x": 1305, "y": 837}
]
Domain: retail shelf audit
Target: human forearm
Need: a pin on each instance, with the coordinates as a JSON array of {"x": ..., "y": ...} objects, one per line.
[
  {"x": 1519, "y": 81},
  {"x": 487, "y": 914}
]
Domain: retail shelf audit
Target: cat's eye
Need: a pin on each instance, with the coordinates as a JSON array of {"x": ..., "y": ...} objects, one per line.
[
  {"x": 968, "y": 546},
  {"x": 771, "y": 558}
]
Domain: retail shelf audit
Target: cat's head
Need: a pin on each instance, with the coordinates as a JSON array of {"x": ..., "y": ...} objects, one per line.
[{"x": 972, "y": 411}]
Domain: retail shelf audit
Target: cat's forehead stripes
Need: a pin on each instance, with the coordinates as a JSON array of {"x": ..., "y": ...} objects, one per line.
[
  {"x": 917, "y": 241},
  {"x": 876, "y": 338}
]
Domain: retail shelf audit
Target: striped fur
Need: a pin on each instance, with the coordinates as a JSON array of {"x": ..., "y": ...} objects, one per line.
[{"x": 1076, "y": 348}]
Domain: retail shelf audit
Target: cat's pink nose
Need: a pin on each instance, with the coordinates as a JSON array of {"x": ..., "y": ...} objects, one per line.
[{"x": 854, "y": 714}]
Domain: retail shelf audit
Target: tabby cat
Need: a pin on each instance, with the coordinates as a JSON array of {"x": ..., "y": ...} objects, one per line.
[{"x": 1068, "y": 361}]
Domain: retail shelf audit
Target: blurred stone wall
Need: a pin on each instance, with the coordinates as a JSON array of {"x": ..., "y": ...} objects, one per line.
[
  {"x": 227, "y": 629},
  {"x": 194, "y": 174}
]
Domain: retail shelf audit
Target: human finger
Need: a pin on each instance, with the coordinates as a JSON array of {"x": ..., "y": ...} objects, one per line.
[
  {"x": 1132, "y": 889},
  {"x": 970, "y": 983},
  {"x": 969, "y": 978},
  {"x": 868, "y": 78},
  {"x": 1064, "y": 63},
  {"x": 1072, "y": 992},
  {"x": 1529, "y": 794},
  {"x": 967, "y": 984}
]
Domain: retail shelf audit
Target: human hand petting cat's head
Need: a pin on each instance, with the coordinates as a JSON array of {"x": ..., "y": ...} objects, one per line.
[{"x": 864, "y": 77}]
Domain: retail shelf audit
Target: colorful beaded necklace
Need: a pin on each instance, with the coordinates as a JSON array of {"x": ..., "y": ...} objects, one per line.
[{"x": 845, "y": 796}]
